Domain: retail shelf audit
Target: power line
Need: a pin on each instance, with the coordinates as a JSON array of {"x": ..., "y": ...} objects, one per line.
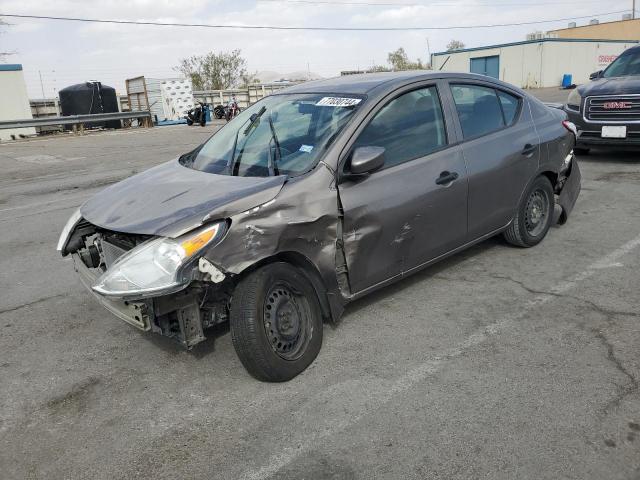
[
  {"x": 276, "y": 27},
  {"x": 327, "y": 2},
  {"x": 434, "y": 4}
]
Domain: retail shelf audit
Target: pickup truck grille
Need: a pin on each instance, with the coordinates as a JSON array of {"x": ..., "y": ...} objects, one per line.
[{"x": 613, "y": 109}]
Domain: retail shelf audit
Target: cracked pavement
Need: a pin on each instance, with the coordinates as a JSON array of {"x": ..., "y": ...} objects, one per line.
[{"x": 497, "y": 363}]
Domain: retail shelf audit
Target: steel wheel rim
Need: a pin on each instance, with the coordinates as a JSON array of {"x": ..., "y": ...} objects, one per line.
[
  {"x": 286, "y": 321},
  {"x": 536, "y": 212}
]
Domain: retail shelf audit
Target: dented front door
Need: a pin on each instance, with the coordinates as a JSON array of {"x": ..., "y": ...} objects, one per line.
[
  {"x": 399, "y": 218},
  {"x": 415, "y": 208}
]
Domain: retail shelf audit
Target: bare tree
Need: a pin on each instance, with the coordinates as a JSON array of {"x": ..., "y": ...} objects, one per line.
[
  {"x": 249, "y": 78},
  {"x": 214, "y": 71},
  {"x": 378, "y": 68},
  {"x": 454, "y": 45},
  {"x": 399, "y": 60}
]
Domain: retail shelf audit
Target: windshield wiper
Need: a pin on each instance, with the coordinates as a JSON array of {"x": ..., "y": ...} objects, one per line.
[
  {"x": 252, "y": 120},
  {"x": 273, "y": 167}
]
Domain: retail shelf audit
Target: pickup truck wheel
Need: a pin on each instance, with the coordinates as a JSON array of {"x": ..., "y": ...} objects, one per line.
[
  {"x": 276, "y": 322},
  {"x": 534, "y": 216},
  {"x": 581, "y": 151}
]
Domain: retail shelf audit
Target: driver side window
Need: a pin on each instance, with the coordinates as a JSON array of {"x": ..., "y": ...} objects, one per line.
[{"x": 408, "y": 127}]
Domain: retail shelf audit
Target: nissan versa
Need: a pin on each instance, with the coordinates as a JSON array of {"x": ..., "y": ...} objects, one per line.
[
  {"x": 606, "y": 111},
  {"x": 316, "y": 196}
]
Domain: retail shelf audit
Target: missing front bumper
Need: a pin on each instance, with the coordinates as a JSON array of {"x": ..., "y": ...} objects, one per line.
[
  {"x": 177, "y": 316},
  {"x": 139, "y": 314}
]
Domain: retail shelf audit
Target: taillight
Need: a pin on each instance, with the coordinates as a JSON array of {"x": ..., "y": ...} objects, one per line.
[{"x": 570, "y": 126}]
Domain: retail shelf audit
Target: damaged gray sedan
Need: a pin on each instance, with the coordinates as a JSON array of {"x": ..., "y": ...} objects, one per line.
[{"x": 316, "y": 196}]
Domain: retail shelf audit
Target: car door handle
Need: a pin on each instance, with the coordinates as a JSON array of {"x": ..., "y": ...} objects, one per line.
[
  {"x": 446, "y": 178},
  {"x": 529, "y": 150}
]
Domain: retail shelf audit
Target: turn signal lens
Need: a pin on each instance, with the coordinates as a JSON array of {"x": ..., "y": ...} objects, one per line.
[{"x": 193, "y": 244}]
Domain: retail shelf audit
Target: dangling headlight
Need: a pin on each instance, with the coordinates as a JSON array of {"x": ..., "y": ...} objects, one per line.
[{"x": 157, "y": 265}]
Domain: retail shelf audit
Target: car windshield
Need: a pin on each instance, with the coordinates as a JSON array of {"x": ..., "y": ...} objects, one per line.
[
  {"x": 279, "y": 135},
  {"x": 623, "y": 66}
]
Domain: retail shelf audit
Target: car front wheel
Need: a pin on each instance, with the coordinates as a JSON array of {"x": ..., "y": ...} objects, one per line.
[
  {"x": 533, "y": 218},
  {"x": 276, "y": 322}
]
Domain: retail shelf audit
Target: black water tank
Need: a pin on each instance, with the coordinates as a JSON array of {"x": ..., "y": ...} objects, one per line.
[{"x": 88, "y": 98}]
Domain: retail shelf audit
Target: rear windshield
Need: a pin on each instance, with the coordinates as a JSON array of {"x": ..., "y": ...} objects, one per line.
[
  {"x": 625, "y": 65},
  {"x": 279, "y": 135}
]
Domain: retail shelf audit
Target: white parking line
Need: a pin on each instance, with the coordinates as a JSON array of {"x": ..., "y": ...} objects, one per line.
[{"x": 376, "y": 395}]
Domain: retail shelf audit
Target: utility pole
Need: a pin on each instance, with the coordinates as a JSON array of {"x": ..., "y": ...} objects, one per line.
[
  {"x": 55, "y": 90},
  {"x": 41, "y": 84},
  {"x": 633, "y": 12}
]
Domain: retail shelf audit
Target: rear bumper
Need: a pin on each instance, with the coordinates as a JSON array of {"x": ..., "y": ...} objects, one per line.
[
  {"x": 590, "y": 134},
  {"x": 138, "y": 313},
  {"x": 569, "y": 190}
]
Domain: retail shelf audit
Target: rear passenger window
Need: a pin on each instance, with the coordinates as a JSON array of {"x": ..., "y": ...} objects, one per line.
[
  {"x": 408, "y": 127},
  {"x": 509, "y": 106},
  {"x": 483, "y": 110}
]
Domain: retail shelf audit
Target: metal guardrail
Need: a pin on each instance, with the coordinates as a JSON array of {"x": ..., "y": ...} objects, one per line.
[{"x": 74, "y": 119}]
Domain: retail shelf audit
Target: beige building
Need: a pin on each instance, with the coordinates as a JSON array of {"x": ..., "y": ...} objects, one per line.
[
  {"x": 619, "y": 30},
  {"x": 14, "y": 102},
  {"x": 535, "y": 63}
]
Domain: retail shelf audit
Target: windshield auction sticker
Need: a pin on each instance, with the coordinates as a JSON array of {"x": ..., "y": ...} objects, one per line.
[{"x": 338, "y": 102}]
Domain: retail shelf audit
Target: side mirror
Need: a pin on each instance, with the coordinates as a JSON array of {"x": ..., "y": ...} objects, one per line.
[
  {"x": 366, "y": 160},
  {"x": 595, "y": 75}
]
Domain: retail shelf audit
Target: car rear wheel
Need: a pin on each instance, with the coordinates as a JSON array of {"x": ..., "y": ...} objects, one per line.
[
  {"x": 276, "y": 322},
  {"x": 534, "y": 216}
]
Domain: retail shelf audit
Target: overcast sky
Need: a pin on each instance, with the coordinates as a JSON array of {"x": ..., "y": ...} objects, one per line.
[{"x": 69, "y": 52}]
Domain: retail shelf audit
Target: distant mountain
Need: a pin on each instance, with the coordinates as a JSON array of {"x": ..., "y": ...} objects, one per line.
[{"x": 267, "y": 76}]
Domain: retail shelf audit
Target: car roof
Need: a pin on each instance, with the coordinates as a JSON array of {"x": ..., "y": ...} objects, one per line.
[
  {"x": 367, "y": 83},
  {"x": 635, "y": 49}
]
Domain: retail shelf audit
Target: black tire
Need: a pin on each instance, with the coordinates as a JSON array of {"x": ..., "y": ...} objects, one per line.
[
  {"x": 534, "y": 216},
  {"x": 276, "y": 322},
  {"x": 581, "y": 151},
  {"x": 189, "y": 122}
]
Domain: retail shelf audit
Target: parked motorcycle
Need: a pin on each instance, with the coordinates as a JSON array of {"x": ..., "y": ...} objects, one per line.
[
  {"x": 219, "y": 112},
  {"x": 198, "y": 114},
  {"x": 232, "y": 111}
]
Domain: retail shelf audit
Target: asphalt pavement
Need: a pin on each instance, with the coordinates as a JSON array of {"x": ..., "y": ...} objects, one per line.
[{"x": 497, "y": 363}]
